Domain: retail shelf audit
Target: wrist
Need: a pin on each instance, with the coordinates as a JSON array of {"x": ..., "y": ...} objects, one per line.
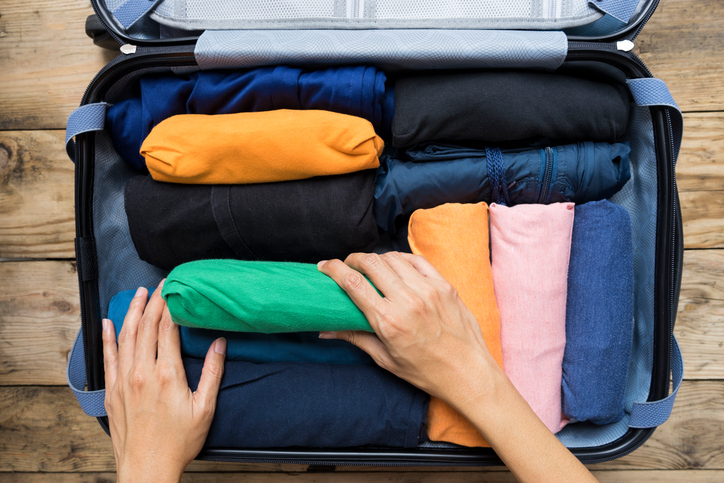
[{"x": 153, "y": 469}]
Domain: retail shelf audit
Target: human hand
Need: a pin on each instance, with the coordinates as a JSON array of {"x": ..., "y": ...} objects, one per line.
[
  {"x": 157, "y": 424},
  {"x": 424, "y": 333}
]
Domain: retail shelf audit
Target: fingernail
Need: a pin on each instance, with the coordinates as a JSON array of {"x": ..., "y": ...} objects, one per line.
[
  {"x": 106, "y": 324},
  {"x": 327, "y": 335},
  {"x": 139, "y": 291},
  {"x": 321, "y": 264},
  {"x": 160, "y": 285},
  {"x": 220, "y": 346}
]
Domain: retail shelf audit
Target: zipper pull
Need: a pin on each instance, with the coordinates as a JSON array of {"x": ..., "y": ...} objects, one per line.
[
  {"x": 625, "y": 45},
  {"x": 128, "y": 49}
]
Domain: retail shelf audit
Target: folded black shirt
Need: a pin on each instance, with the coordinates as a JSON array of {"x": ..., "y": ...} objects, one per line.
[
  {"x": 498, "y": 107},
  {"x": 297, "y": 221}
]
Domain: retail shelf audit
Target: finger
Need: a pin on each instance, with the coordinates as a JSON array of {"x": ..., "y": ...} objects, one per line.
[
  {"x": 211, "y": 374},
  {"x": 404, "y": 269},
  {"x": 364, "y": 296},
  {"x": 147, "y": 339},
  {"x": 110, "y": 354},
  {"x": 379, "y": 273},
  {"x": 129, "y": 331},
  {"x": 367, "y": 341},
  {"x": 421, "y": 264},
  {"x": 169, "y": 339}
]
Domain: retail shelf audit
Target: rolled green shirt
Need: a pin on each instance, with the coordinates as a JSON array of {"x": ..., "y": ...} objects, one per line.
[{"x": 253, "y": 296}]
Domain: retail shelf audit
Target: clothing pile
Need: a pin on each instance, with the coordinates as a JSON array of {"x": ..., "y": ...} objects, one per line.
[{"x": 500, "y": 179}]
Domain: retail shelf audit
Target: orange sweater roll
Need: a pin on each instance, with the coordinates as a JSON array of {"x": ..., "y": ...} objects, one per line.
[
  {"x": 259, "y": 147},
  {"x": 454, "y": 238}
]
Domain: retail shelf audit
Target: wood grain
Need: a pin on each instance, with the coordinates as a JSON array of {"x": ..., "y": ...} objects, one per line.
[
  {"x": 36, "y": 196},
  {"x": 39, "y": 319},
  {"x": 43, "y": 429},
  {"x": 698, "y": 476},
  {"x": 46, "y": 62},
  {"x": 682, "y": 44}
]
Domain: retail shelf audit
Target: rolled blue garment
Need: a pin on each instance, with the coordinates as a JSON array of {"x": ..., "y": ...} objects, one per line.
[
  {"x": 599, "y": 313},
  {"x": 358, "y": 91},
  {"x": 253, "y": 347},
  {"x": 312, "y": 405},
  {"x": 429, "y": 175}
]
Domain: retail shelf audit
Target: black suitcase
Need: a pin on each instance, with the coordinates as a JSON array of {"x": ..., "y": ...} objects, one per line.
[{"x": 655, "y": 136}]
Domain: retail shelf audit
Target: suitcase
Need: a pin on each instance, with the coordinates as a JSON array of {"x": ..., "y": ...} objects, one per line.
[{"x": 595, "y": 36}]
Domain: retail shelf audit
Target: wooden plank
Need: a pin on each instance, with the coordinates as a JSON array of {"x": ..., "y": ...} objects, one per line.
[
  {"x": 48, "y": 422},
  {"x": 39, "y": 318},
  {"x": 699, "y": 327},
  {"x": 36, "y": 196},
  {"x": 46, "y": 62},
  {"x": 36, "y": 190},
  {"x": 698, "y": 476},
  {"x": 681, "y": 44}
]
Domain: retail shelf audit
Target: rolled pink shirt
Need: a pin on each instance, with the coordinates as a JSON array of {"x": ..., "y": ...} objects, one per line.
[{"x": 530, "y": 248}]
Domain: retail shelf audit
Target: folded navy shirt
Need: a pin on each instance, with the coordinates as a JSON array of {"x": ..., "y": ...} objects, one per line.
[
  {"x": 599, "y": 313},
  {"x": 313, "y": 406},
  {"x": 253, "y": 347},
  {"x": 357, "y": 91},
  {"x": 429, "y": 175}
]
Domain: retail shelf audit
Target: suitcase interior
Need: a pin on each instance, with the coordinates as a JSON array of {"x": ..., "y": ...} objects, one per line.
[{"x": 108, "y": 262}]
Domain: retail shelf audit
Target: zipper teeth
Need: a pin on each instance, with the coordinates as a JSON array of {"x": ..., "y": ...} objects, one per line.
[
  {"x": 645, "y": 20},
  {"x": 548, "y": 173}
]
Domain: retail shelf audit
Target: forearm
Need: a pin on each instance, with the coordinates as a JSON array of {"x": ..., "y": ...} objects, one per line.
[{"x": 517, "y": 435}]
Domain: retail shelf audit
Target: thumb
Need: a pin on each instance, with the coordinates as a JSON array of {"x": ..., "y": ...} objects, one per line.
[
  {"x": 367, "y": 341},
  {"x": 211, "y": 374}
]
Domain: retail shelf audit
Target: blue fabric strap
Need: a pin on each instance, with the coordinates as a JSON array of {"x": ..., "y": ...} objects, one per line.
[
  {"x": 655, "y": 413},
  {"x": 91, "y": 402},
  {"x": 650, "y": 91},
  {"x": 618, "y": 9},
  {"x": 91, "y": 117},
  {"x": 130, "y": 11},
  {"x": 496, "y": 176}
]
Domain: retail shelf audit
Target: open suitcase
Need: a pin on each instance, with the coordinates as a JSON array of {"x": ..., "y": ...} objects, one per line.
[{"x": 183, "y": 36}]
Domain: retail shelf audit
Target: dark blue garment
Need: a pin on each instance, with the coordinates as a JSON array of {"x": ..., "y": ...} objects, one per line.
[
  {"x": 251, "y": 347},
  {"x": 599, "y": 313},
  {"x": 312, "y": 405},
  {"x": 429, "y": 175},
  {"x": 358, "y": 91}
]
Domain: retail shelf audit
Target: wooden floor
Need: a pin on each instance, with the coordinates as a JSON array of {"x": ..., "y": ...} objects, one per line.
[{"x": 46, "y": 61}]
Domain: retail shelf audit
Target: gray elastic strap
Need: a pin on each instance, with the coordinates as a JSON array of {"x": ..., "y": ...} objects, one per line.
[
  {"x": 385, "y": 49},
  {"x": 655, "y": 413},
  {"x": 91, "y": 402},
  {"x": 130, "y": 11},
  {"x": 496, "y": 176},
  {"x": 91, "y": 117},
  {"x": 650, "y": 91},
  {"x": 618, "y": 9}
]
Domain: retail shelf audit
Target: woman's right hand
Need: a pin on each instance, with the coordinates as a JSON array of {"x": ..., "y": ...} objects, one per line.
[{"x": 424, "y": 333}]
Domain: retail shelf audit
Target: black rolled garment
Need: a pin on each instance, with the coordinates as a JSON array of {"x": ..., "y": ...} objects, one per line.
[
  {"x": 312, "y": 405},
  {"x": 499, "y": 107},
  {"x": 298, "y": 221}
]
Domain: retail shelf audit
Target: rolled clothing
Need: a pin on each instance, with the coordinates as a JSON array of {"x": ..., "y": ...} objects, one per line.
[
  {"x": 497, "y": 107},
  {"x": 250, "y": 347},
  {"x": 313, "y": 406},
  {"x": 358, "y": 91},
  {"x": 530, "y": 247},
  {"x": 599, "y": 314},
  {"x": 432, "y": 174},
  {"x": 259, "y": 147},
  {"x": 301, "y": 221},
  {"x": 266, "y": 297},
  {"x": 454, "y": 238}
]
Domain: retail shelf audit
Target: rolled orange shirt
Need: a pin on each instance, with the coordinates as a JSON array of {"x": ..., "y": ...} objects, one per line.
[
  {"x": 454, "y": 238},
  {"x": 259, "y": 147}
]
